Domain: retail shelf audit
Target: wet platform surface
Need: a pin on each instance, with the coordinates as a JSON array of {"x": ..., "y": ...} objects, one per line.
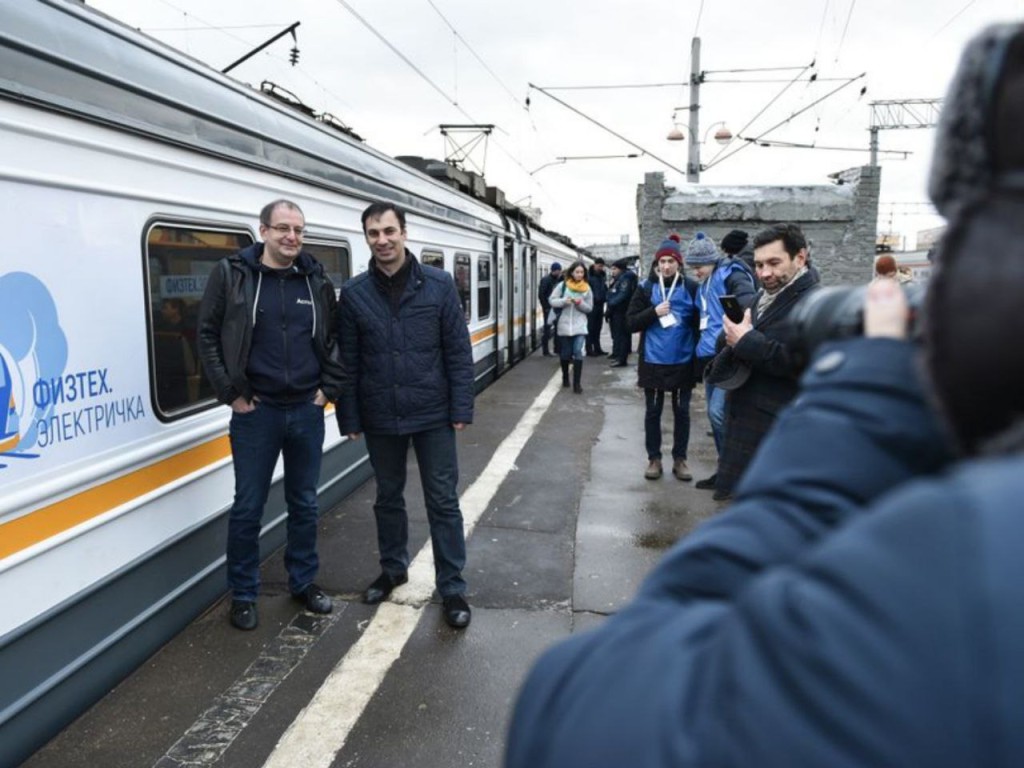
[{"x": 564, "y": 539}]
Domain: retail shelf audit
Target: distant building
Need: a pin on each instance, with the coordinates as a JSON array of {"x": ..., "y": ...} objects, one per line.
[
  {"x": 928, "y": 238},
  {"x": 611, "y": 252}
]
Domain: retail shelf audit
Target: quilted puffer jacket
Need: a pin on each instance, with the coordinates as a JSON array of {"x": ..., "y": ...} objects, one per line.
[{"x": 406, "y": 371}]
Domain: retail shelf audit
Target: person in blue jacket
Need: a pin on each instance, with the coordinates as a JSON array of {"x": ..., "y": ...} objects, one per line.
[
  {"x": 408, "y": 380},
  {"x": 663, "y": 311},
  {"x": 860, "y": 602},
  {"x": 718, "y": 276}
]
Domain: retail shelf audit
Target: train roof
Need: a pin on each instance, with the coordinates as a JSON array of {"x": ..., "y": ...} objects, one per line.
[{"x": 78, "y": 61}]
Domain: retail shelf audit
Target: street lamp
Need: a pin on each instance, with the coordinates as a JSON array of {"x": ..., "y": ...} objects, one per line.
[{"x": 722, "y": 136}]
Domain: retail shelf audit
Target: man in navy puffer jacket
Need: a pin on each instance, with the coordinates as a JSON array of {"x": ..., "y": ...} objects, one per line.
[
  {"x": 409, "y": 378},
  {"x": 860, "y": 602}
]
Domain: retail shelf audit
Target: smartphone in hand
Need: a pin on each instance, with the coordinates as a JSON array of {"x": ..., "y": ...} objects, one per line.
[{"x": 733, "y": 308}]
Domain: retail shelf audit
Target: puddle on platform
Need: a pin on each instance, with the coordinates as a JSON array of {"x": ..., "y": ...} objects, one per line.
[{"x": 653, "y": 540}]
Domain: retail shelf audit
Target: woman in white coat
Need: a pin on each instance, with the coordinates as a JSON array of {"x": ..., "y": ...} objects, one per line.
[{"x": 573, "y": 300}]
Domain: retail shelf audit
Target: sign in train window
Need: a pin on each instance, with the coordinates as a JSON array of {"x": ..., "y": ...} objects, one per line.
[
  {"x": 463, "y": 276},
  {"x": 336, "y": 258},
  {"x": 483, "y": 288}
]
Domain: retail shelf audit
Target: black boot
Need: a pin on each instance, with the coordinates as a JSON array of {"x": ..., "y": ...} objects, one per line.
[
  {"x": 577, "y": 372},
  {"x": 565, "y": 373}
]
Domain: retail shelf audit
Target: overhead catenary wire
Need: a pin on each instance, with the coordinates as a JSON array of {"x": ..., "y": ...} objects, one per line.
[
  {"x": 477, "y": 56},
  {"x": 788, "y": 119},
  {"x": 432, "y": 84},
  {"x": 953, "y": 18},
  {"x": 604, "y": 127},
  {"x": 763, "y": 110}
]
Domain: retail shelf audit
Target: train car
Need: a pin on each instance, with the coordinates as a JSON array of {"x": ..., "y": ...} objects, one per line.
[{"x": 128, "y": 171}]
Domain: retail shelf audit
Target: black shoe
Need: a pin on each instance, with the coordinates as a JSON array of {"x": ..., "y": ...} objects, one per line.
[
  {"x": 243, "y": 615},
  {"x": 314, "y": 599},
  {"x": 619, "y": 364},
  {"x": 722, "y": 495},
  {"x": 707, "y": 483},
  {"x": 456, "y": 611},
  {"x": 382, "y": 586}
]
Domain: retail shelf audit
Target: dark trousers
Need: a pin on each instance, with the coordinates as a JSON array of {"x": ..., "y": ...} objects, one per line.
[
  {"x": 547, "y": 334},
  {"x": 620, "y": 336},
  {"x": 439, "y": 475},
  {"x": 595, "y": 322},
  {"x": 257, "y": 438},
  {"x": 655, "y": 399}
]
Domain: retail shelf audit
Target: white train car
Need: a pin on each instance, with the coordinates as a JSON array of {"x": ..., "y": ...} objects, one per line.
[{"x": 128, "y": 170}]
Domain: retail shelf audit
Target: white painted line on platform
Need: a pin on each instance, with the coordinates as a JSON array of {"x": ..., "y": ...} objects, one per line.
[{"x": 316, "y": 736}]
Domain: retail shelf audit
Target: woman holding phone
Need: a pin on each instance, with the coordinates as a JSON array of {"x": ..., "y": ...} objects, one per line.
[{"x": 575, "y": 300}]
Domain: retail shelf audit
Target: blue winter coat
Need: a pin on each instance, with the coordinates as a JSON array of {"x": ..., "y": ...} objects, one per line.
[
  {"x": 408, "y": 372},
  {"x": 853, "y": 607}
]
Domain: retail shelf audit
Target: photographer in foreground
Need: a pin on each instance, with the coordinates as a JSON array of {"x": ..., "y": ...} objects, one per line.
[{"x": 860, "y": 602}]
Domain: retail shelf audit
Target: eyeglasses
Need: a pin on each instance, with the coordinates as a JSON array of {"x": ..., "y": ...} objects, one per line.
[{"x": 284, "y": 229}]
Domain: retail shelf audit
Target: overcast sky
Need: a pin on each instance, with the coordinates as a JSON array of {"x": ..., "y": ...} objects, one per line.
[{"x": 470, "y": 61}]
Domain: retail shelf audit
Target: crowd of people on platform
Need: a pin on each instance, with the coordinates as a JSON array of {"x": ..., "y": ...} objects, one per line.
[
  {"x": 686, "y": 336},
  {"x": 858, "y": 604}
]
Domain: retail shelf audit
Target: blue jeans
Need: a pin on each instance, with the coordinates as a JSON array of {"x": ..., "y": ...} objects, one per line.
[
  {"x": 716, "y": 413},
  {"x": 571, "y": 347},
  {"x": 257, "y": 438},
  {"x": 681, "y": 422},
  {"x": 439, "y": 475}
]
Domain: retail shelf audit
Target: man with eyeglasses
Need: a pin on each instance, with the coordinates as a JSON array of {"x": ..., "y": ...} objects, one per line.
[{"x": 267, "y": 343}]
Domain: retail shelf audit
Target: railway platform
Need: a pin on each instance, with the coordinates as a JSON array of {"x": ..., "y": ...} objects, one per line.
[{"x": 563, "y": 528}]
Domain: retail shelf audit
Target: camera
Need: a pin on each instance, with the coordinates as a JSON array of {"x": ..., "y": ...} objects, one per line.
[{"x": 837, "y": 312}]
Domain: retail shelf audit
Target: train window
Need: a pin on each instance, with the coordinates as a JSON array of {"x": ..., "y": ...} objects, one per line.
[
  {"x": 483, "y": 288},
  {"x": 463, "y": 276},
  {"x": 180, "y": 260},
  {"x": 336, "y": 258},
  {"x": 432, "y": 259}
]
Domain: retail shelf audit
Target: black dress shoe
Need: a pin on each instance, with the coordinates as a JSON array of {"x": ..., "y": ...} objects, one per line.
[
  {"x": 456, "y": 611},
  {"x": 619, "y": 364},
  {"x": 243, "y": 615},
  {"x": 314, "y": 599},
  {"x": 382, "y": 586},
  {"x": 722, "y": 496},
  {"x": 707, "y": 483}
]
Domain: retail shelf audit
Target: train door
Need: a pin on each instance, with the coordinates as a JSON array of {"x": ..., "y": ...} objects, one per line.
[
  {"x": 530, "y": 299},
  {"x": 510, "y": 309},
  {"x": 496, "y": 303}
]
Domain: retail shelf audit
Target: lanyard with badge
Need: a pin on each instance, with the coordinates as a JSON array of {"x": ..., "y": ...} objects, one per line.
[
  {"x": 667, "y": 321},
  {"x": 705, "y": 289}
]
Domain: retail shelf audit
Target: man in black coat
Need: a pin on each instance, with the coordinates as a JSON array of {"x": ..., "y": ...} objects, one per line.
[
  {"x": 595, "y": 320},
  {"x": 267, "y": 345},
  {"x": 757, "y": 348},
  {"x": 624, "y": 282},
  {"x": 408, "y": 367},
  {"x": 547, "y": 285}
]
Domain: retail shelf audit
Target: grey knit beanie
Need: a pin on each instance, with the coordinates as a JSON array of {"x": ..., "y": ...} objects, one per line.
[{"x": 701, "y": 251}]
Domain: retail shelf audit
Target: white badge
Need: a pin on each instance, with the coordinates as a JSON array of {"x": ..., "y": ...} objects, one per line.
[
  {"x": 704, "y": 323},
  {"x": 667, "y": 321}
]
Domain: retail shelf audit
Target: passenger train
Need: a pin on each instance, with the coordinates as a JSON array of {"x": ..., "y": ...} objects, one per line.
[{"x": 127, "y": 171}]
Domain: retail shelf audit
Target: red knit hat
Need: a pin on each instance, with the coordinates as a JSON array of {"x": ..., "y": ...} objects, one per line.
[{"x": 670, "y": 247}]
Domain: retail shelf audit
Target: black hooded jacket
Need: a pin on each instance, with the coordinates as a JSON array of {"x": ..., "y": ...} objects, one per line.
[{"x": 226, "y": 325}]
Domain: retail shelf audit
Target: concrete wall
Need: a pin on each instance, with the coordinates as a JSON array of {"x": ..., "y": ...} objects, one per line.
[{"x": 839, "y": 220}]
